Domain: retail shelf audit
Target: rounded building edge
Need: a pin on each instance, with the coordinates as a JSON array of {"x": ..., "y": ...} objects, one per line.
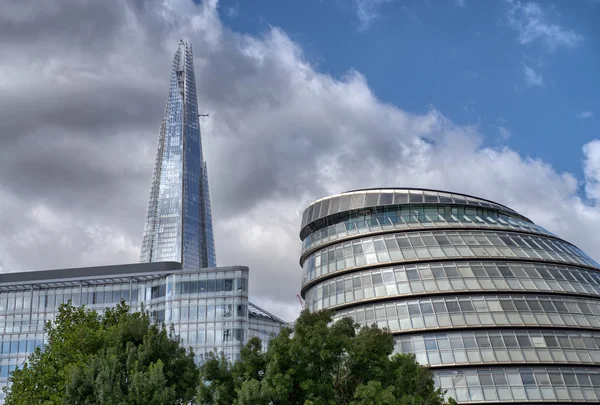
[{"x": 308, "y": 217}]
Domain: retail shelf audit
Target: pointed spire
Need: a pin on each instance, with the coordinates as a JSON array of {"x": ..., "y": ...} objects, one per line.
[{"x": 178, "y": 221}]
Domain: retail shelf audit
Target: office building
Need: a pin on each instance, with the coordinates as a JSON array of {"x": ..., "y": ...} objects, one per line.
[
  {"x": 176, "y": 281},
  {"x": 502, "y": 310},
  {"x": 178, "y": 221},
  {"x": 208, "y": 308}
]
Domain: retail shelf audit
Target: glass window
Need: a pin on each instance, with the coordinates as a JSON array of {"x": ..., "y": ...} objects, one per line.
[
  {"x": 452, "y": 307},
  {"x": 334, "y": 205},
  {"x": 386, "y": 198},
  {"x": 415, "y": 197},
  {"x": 466, "y": 306},
  {"x": 372, "y": 199},
  {"x": 358, "y": 200},
  {"x": 426, "y": 308},
  {"x": 400, "y": 197}
]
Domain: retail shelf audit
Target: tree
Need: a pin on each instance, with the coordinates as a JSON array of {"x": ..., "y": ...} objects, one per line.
[
  {"x": 320, "y": 363},
  {"x": 116, "y": 358}
]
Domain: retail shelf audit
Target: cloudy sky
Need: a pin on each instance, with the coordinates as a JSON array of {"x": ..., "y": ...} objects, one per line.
[{"x": 308, "y": 98}]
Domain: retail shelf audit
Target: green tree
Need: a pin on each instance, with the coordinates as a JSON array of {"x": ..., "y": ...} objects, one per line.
[
  {"x": 118, "y": 358},
  {"x": 320, "y": 363}
]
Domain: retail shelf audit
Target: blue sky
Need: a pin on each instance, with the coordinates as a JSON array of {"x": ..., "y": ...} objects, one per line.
[{"x": 525, "y": 73}]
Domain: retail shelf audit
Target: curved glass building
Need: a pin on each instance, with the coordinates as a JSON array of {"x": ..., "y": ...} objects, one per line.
[{"x": 501, "y": 310}]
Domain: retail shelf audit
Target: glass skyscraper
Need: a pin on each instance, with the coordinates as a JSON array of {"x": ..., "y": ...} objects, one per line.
[
  {"x": 501, "y": 310},
  {"x": 177, "y": 281},
  {"x": 178, "y": 223}
]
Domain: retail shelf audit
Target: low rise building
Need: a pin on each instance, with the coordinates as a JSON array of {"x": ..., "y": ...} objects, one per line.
[{"x": 208, "y": 308}]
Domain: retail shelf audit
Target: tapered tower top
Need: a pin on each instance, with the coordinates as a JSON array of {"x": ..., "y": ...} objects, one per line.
[{"x": 178, "y": 223}]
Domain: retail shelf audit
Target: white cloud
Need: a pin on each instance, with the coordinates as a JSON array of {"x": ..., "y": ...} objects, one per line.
[
  {"x": 75, "y": 176},
  {"x": 367, "y": 11},
  {"x": 532, "y": 24},
  {"x": 591, "y": 169},
  {"x": 468, "y": 106},
  {"x": 234, "y": 11},
  {"x": 585, "y": 114},
  {"x": 504, "y": 133},
  {"x": 531, "y": 77}
]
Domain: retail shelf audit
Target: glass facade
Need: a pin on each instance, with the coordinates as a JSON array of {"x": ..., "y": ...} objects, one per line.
[
  {"x": 501, "y": 309},
  {"x": 178, "y": 223},
  {"x": 418, "y": 216},
  {"x": 176, "y": 281},
  {"x": 502, "y": 346},
  {"x": 263, "y": 325},
  {"x": 208, "y": 308}
]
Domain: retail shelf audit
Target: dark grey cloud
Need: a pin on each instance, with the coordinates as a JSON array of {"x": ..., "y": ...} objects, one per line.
[
  {"x": 75, "y": 23},
  {"x": 82, "y": 106},
  {"x": 82, "y": 96}
]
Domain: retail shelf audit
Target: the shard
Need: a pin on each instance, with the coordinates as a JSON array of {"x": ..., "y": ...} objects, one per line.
[{"x": 178, "y": 223}]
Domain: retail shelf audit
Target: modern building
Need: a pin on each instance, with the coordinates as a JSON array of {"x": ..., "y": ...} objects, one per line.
[
  {"x": 178, "y": 221},
  {"x": 501, "y": 310},
  {"x": 176, "y": 281},
  {"x": 208, "y": 308},
  {"x": 263, "y": 325}
]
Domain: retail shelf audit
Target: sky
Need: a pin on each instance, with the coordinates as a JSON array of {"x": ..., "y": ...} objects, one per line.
[{"x": 497, "y": 99}]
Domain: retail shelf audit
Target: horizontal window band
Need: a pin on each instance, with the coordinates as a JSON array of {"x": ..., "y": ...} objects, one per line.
[
  {"x": 386, "y": 265},
  {"x": 477, "y": 293}
]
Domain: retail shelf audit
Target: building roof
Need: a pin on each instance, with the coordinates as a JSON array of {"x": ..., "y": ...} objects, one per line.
[
  {"x": 138, "y": 270},
  {"x": 348, "y": 201},
  {"x": 435, "y": 190},
  {"x": 258, "y": 312}
]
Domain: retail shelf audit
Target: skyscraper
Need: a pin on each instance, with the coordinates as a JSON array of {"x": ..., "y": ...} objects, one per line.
[
  {"x": 178, "y": 223},
  {"x": 500, "y": 309},
  {"x": 177, "y": 283}
]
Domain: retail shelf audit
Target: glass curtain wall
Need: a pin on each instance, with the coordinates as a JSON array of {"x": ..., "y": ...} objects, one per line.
[
  {"x": 208, "y": 309},
  {"x": 500, "y": 309},
  {"x": 178, "y": 223}
]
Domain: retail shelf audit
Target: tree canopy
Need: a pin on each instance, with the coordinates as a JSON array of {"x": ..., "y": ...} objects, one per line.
[
  {"x": 116, "y": 358},
  {"x": 319, "y": 363},
  {"x": 122, "y": 358}
]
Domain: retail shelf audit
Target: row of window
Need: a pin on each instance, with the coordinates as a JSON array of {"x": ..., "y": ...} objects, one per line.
[
  {"x": 362, "y": 199},
  {"x": 192, "y": 311},
  {"x": 49, "y": 300},
  {"x": 521, "y": 384},
  {"x": 199, "y": 338},
  {"x": 197, "y": 287},
  {"x": 478, "y": 311},
  {"x": 439, "y": 245},
  {"x": 409, "y": 217},
  {"x": 21, "y": 327},
  {"x": 46, "y": 299},
  {"x": 199, "y": 313},
  {"x": 451, "y": 276},
  {"x": 19, "y": 346},
  {"x": 5, "y": 371},
  {"x": 210, "y": 337},
  {"x": 502, "y": 346}
]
